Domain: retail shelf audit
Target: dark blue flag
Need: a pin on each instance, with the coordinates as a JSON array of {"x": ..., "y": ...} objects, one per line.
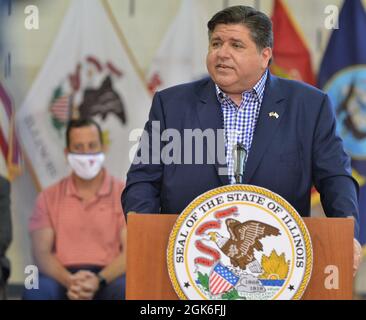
[{"x": 343, "y": 76}]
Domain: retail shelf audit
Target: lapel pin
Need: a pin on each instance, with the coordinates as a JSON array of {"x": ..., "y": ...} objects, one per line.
[{"x": 274, "y": 115}]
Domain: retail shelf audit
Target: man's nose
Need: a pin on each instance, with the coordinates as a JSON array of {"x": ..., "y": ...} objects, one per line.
[{"x": 223, "y": 51}]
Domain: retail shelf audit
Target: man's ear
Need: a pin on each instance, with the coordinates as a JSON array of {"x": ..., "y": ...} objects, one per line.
[{"x": 266, "y": 56}]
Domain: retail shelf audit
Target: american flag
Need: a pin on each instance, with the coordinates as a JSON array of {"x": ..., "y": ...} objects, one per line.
[
  {"x": 222, "y": 279},
  {"x": 9, "y": 145}
]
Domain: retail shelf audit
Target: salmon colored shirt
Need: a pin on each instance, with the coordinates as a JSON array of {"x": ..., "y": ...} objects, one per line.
[{"x": 85, "y": 233}]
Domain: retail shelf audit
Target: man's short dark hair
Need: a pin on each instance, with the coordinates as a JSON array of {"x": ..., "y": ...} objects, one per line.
[
  {"x": 80, "y": 123},
  {"x": 259, "y": 24}
]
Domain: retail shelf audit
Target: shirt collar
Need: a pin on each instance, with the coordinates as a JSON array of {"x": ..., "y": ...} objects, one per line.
[
  {"x": 258, "y": 90},
  {"x": 105, "y": 188}
]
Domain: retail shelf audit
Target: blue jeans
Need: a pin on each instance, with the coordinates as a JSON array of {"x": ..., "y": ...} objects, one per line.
[{"x": 50, "y": 289}]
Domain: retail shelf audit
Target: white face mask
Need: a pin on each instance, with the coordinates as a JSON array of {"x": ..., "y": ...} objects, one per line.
[{"x": 86, "y": 166}]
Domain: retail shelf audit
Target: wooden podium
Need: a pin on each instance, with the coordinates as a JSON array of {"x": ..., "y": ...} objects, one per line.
[{"x": 147, "y": 273}]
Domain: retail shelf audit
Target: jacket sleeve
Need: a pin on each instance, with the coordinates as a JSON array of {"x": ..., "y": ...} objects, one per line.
[
  {"x": 144, "y": 178},
  {"x": 331, "y": 167},
  {"x": 5, "y": 216}
]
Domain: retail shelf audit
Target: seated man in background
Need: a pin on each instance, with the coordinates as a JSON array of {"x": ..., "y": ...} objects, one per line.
[
  {"x": 5, "y": 233},
  {"x": 78, "y": 230}
]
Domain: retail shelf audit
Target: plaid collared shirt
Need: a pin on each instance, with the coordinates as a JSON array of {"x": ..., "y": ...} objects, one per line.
[{"x": 240, "y": 121}]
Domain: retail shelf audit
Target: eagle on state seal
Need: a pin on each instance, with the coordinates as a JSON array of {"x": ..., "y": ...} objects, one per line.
[{"x": 244, "y": 239}]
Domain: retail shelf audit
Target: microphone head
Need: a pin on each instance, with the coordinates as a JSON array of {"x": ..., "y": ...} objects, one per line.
[{"x": 239, "y": 156}]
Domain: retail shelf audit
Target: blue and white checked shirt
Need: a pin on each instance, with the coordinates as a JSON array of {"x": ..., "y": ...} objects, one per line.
[{"x": 240, "y": 121}]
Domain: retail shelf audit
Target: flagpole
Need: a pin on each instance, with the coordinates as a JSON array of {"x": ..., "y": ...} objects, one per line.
[
  {"x": 29, "y": 167},
  {"x": 123, "y": 40},
  {"x": 8, "y": 66},
  {"x": 132, "y": 7}
]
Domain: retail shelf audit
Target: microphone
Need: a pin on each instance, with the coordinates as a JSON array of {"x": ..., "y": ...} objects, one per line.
[{"x": 239, "y": 155}]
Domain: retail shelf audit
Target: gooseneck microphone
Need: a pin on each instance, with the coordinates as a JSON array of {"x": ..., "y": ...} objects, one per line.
[{"x": 239, "y": 155}]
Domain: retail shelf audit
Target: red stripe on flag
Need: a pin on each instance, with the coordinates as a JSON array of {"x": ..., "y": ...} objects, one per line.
[
  {"x": 3, "y": 145},
  {"x": 291, "y": 55}
]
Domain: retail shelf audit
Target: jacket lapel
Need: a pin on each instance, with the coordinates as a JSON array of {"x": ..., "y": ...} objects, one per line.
[
  {"x": 273, "y": 101},
  {"x": 210, "y": 117}
]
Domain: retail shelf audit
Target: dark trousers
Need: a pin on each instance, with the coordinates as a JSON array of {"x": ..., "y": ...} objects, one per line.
[
  {"x": 2, "y": 291},
  {"x": 50, "y": 289},
  {"x": 4, "y": 275}
]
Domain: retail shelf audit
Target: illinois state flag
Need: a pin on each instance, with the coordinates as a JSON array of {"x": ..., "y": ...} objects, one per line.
[
  {"x": 291, "y": 57},
  {"x": 182, "y": 54},
  {"x": 343, "y": 76},
  {"x": 88, "y": 73}
]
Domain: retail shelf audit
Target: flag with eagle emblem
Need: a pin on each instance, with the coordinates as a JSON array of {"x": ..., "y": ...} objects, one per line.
[{"x": 89, "y": 73}]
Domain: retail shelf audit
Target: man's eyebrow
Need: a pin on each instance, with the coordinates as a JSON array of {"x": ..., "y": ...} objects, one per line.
[
  {"x": 216, "y": 38},
  {"x": 236, "y": 40}
]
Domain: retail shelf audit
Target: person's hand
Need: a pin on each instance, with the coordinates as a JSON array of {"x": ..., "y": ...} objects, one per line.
[
  {"x": 74, "y": 288},
  {"x": 84, "y": 286},
  {"x": 357, "y": 255}
]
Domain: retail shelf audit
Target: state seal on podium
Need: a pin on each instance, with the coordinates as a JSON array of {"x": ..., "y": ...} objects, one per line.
[{"x": 239, "y": 242}]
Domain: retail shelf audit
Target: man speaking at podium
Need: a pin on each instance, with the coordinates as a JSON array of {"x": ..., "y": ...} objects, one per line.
[{"x": 286, "y": 130}]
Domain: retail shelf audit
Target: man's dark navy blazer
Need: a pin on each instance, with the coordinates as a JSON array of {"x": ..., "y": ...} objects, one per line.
[{"x": 289, "y": 154}]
